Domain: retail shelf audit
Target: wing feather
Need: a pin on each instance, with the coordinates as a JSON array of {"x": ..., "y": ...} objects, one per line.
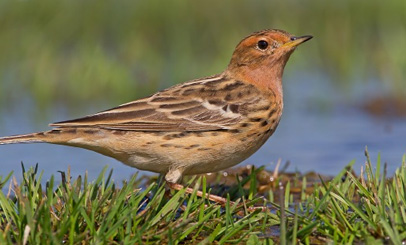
[{"x": 193, "y": 106}]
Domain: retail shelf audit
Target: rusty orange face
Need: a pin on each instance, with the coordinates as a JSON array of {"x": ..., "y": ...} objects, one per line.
[{"x": 273, "y": 44}]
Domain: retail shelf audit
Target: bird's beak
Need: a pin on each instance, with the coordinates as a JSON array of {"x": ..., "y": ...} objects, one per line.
[{"x": 295, "y": 41}]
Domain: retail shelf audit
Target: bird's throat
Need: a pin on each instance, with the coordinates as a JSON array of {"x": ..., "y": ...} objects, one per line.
[{"x": 267, "y": 78}]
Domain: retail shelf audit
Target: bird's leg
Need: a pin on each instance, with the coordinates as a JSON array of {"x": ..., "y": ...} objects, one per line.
[
  {"x": 188, "y": 190},
  {"x": 218, "y": 199},
  {"x": 174, "y": 175}
]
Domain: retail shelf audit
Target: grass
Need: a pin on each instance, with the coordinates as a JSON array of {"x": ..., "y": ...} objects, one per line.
[
  {"x": 369, "y": 208},
  {"x": 99, "y": 212}
]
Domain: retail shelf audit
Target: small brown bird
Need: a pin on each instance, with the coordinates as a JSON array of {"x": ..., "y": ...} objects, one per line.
[{"x": 200, "y": 126}]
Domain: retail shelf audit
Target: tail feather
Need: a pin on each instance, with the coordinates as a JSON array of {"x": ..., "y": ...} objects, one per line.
[
  {"x": 23, "y": 138},
  {"x": 87, "y": 138}
]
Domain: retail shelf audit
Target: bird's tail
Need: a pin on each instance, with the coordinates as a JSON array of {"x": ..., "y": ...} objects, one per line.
[
  {"x": 91, "y": 139},
  {"x": 23, "y": 138},
  {"x": 61, "y": 136}
]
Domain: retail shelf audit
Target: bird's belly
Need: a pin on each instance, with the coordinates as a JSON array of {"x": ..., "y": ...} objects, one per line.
[
  {"x": 229, "y": 155},
  {"x": 195, "y": 153}
]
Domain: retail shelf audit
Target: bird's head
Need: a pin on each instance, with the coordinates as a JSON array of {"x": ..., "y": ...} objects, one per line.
[{"x": 264, "y": 53}]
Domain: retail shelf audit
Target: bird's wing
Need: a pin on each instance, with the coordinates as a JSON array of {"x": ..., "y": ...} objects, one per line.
[{"x": 202, "y": 105}]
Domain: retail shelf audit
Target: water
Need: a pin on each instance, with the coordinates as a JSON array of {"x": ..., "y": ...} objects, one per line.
[{"x": 321, "y": 130}]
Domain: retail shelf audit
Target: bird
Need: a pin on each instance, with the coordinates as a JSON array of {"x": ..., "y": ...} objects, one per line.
[{"x": 199, "y": 126}]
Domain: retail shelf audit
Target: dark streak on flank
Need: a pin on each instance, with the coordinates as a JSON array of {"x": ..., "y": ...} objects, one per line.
[
  {"x": 174, "y": 136},
  {"x": 264, "y": 123},
  {"x": 89, "y": 131},
  {"x": 168, "y": 137},
  {"x": 271, "y": 112},
  {"x": 255, "y": 119},
  {"x": 204, "y": 149},
  {"x": 191, "y": 147},
  {"x": 166, "y": 145},
  {"x": 244, "y": 125},
  {"x": 251, "y": 134},
  {"x": 234, "y": 131}
]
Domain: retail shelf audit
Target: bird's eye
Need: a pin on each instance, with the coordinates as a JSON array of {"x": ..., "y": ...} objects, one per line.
[{"x": 262, "y": 44}]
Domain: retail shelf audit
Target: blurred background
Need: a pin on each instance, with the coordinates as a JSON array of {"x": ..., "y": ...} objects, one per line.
[{"x": 344, "y": 90}]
